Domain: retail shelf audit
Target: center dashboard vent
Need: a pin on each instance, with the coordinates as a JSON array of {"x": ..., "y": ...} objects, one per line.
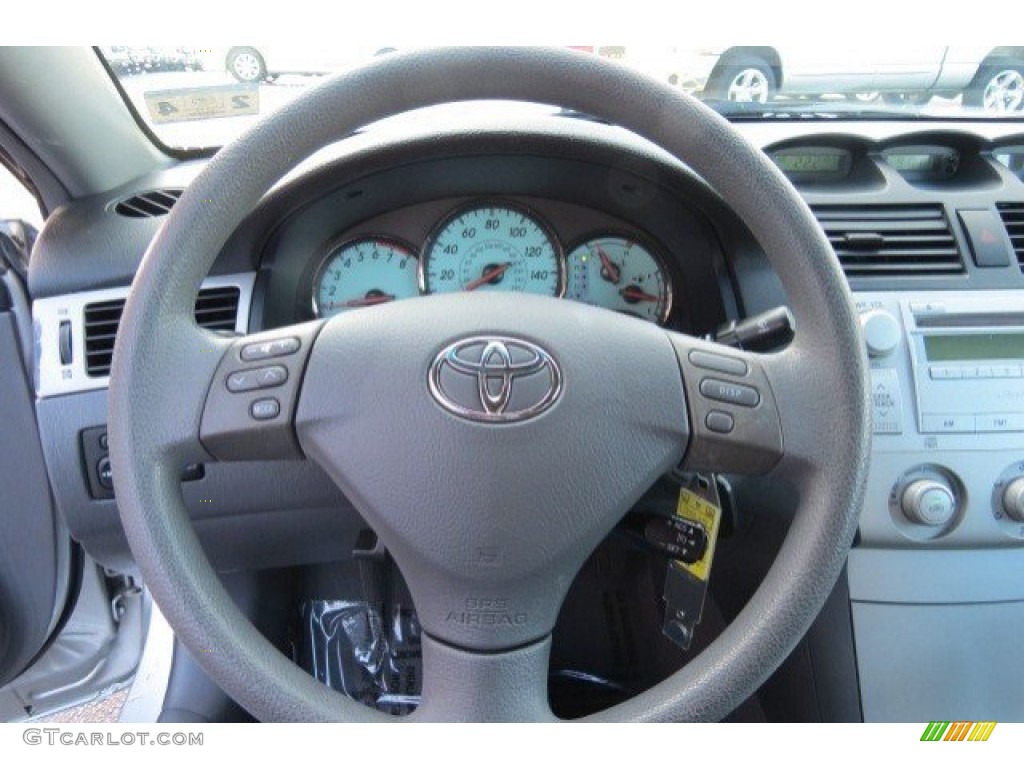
[
  {"x": 146, "y": 205},
  {"x": 1012, "y": 215},
  {"x": 216, "y": 310},
  {"x": 891, "y": 240}
]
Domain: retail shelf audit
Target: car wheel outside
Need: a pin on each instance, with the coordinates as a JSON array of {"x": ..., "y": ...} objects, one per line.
[
  {"x": 998, "y": 89},
  {"x": 750, "y": 80},
  {"x": 246, "y": 65}
]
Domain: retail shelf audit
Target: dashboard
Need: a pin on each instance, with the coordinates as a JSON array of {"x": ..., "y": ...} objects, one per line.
[
  {"x": 928, "y": 224},
  {"x": 596, "y": 226}
]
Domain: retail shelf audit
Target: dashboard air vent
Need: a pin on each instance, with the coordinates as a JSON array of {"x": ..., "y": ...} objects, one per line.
[
  {"x": 1013, "y": 217},
  {"x": 216, "y": 309},
  {"x": 146, "y": 205},
  {"x": 891, "y": 240}
]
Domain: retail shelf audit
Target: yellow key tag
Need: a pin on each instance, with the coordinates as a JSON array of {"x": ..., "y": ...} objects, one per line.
[
  {"x": 686, "y": 583},
  {"x": 696, "y": 509}
]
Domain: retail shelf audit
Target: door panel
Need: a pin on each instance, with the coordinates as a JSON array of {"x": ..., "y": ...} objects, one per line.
[
  {"x": 909, "y": 67},
  {"x": 817, "y": 69},
  {"x": 33, "y": 549}
]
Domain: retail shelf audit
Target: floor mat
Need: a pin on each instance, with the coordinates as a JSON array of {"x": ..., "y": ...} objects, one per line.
[{"x": 103, "y": 710}]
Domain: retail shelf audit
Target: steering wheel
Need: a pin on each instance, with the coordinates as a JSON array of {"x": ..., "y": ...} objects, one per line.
[{"x": 492, "y": 441}]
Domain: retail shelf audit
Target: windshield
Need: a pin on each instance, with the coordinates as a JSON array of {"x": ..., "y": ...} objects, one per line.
[{"x": 203, "y": 97}]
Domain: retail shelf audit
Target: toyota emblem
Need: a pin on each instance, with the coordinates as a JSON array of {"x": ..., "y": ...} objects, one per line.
[{"x": 495, "y": 379}]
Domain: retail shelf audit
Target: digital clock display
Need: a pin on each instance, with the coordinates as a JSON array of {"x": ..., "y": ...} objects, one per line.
[
  {"x": 811, "y": 164},
  {"x": 909, "y": 162},
  {"x": 924, "y": 162}
]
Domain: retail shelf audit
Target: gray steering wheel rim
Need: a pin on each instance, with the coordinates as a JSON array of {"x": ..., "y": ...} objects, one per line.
[{"x": 152, "y": 432}]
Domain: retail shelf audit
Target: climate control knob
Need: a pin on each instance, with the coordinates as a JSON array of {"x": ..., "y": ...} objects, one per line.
[
  {"x": 1013, "y": 500},
  {"x": 881, "y": 332},
  {"x": 929, "y": 502}
]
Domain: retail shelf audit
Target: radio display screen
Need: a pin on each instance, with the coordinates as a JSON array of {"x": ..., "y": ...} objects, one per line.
[{"x": 974, "y": 346}]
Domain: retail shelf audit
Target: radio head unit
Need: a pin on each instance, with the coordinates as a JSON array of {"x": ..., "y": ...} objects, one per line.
[{"x": 968, "y": 361}]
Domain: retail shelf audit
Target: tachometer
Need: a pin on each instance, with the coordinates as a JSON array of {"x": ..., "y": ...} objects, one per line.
[
  {"x": 364, "y": 272},
  {"x": 498, "y": 247},
  {"x": 619, "y": 273}
]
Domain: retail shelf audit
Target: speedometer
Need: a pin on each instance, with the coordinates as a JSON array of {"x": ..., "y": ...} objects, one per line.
[{"x": 499, "y": 247}]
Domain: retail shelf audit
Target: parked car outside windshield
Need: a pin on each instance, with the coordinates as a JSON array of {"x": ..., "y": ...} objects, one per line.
[{"x": 203, "y": 97}]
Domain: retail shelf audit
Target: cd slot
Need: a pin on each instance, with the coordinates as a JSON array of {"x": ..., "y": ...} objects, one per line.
[{"x": 971, "y": 320}]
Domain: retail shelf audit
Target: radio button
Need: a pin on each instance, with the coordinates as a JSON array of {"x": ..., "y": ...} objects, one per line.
[
  {"x": 720, "y": 363},
  {"x": 977, "y": 372},
  {"x": 1013, "y": 500},
  {"x": 999, "y": 422},
  {"x": 929, "y": 502},
  {"x": 886, "y": 402},
  {"x": 927, "y": 307},
  {"x": 728, "y": 392},
  {"x": 1006, "y": 371},
  {"x": 947, "y": 422},
  {"x": 719, "y": 421},
  {"x": 881, "y": 332}
]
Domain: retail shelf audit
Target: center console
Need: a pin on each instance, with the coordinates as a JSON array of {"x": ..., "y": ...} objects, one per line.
[{"x": 935, "y": 578}]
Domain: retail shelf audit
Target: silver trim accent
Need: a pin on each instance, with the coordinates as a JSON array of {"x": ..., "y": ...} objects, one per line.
[
  {"x": 52, "y": 378},
  {"x": 146, "y": 696},
  {"x": 487, "y": 370},
  {"x": 334, "y": 250}
]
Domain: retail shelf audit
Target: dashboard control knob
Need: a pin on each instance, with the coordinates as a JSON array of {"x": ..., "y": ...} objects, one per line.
[
  {"x": 1013, "y": 500},
  {"x": 929, "y": 502},
  {"x": 881, "y": 332}
]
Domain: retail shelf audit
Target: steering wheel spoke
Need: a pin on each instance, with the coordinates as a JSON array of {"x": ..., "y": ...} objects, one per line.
[
  {"x": 251, "y": 400},
  {"x": 462, "y": 686},
  {"x": 734, "y": 418}
]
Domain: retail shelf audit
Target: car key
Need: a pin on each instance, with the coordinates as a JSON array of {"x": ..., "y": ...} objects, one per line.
[{"x": 696, "y": 521}]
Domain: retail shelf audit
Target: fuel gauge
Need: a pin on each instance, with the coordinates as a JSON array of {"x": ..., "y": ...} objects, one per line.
[{"x": 618, "y": 273}]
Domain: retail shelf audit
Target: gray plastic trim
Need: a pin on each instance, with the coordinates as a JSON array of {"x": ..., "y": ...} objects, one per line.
[
  {"x": 931, "y": 662},
  {"x": 936, "y": 576},
  {"x": 62, "y": 103},
  {"x": 52, "y": 378}
]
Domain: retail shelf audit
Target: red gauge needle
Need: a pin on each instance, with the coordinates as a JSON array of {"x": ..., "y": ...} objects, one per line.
[
  {"x": 364, "y": 301},
  {"x": 609, "y": 269},
  {"x": 633, "y": 293},
  {"x": 487, "y": 277}
]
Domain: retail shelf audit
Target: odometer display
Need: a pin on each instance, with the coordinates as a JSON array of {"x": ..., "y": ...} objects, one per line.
[{"x": 499, "y": 247}]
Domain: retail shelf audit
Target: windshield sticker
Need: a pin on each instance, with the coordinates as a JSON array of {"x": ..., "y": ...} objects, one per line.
[{"x": 204, "y": 103}]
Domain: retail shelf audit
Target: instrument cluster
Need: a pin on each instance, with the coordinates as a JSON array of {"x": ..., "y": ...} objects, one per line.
[{"x": 497, "y": 245}]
